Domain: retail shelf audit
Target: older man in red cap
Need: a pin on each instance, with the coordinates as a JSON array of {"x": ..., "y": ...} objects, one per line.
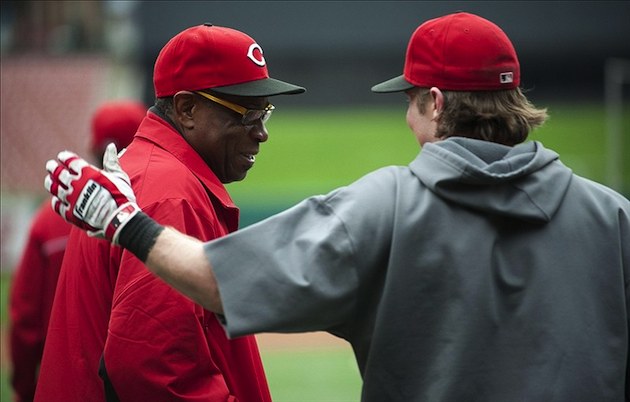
[
  {"x": 485, "y": 270},
  {"x": 35, "y": 279},
  {"x": 212, "y": 90}
]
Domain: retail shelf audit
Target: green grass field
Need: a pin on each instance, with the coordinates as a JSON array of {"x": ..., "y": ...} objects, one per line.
[
  {"x": 313, "y": 152},
  {"x": 312, "y": 375}
]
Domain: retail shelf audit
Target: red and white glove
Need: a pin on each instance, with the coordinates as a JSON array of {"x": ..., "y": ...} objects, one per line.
[{"x": 98, "y": 201}]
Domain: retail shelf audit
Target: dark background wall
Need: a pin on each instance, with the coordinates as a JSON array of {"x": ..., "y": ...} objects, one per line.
[{"x": 339, "y": 49}]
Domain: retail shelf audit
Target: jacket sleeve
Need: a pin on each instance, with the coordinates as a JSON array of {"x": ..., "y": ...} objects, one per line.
[
  {"x": 27, "y": 331},
  {"x": 157, "y": 348}
]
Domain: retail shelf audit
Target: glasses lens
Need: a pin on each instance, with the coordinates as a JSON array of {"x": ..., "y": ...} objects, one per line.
[
  {"x": 266, "y": 115},
  {"x": 252, "y": 116}
]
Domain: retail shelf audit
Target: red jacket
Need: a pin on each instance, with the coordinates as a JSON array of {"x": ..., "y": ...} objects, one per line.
[
  {"x": 32, "y": 292},
  {"x": 160, "y": 345},
  {"x": 78, "y": 321}
]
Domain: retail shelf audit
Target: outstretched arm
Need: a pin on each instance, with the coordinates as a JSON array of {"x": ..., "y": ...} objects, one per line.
[
  {"x": 180, "y": 261},
  {"x": 102, "y": 202}
]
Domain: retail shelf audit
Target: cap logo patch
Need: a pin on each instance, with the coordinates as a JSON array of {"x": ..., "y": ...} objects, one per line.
[
  {"x": 506, "y": 78},
  {"x": 256, "y": 57}
]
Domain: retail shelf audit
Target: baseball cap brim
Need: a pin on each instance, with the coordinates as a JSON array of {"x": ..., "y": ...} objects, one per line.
[
  {"x": 396, "y": 84},
  {"x": 264, "y": 87}
]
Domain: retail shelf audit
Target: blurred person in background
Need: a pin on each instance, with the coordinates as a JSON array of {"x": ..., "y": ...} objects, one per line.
[
  {"x": 484, "y": 270},
  {"x": 35, "y": 279},
  {"x": 205, "y": 129},
  {"x": 115, "y": 122}
]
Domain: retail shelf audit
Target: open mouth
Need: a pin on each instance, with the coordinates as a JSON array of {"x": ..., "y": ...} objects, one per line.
[{"x": 250, "y": 157}]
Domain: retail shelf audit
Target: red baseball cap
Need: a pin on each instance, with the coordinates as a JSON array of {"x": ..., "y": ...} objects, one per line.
[
  {"x": 116, "y": 121},
  {"x": 223, "y": 59},
  {"x": 457, "y": 52}
]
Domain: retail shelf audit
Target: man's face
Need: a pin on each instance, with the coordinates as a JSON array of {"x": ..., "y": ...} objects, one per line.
[{"x": 227, "y": 145}]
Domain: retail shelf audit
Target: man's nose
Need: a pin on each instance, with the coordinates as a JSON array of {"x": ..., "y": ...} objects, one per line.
[{"x": 259, "y": 132}]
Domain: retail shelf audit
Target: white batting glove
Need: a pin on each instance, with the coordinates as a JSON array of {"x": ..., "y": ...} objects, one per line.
[{"x": 98, "y": 201}]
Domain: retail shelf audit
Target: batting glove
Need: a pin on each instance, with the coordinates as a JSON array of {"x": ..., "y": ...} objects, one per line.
[{"x": 98, "y": 201}]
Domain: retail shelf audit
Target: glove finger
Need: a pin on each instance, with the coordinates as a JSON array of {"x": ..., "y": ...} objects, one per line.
[
  {"x": 54, "y": 204},
  {"x": 59, "y": 207},
  {"x": 65, "y": 156},
  {"x": 76, "y": 165},
  {"x": 54, "y": 169},
  {"x": 63, "y": 193},
  {"x": 56, "y": 175},
  {"x": 51, "y": 165},
  {"x": 110, "y": 159},
  {"x": 48, "y": 184},
  {"x": 65, "y": 179},
  {"x": 54, "y": 188},
  {"x": 51, "y": 185}
]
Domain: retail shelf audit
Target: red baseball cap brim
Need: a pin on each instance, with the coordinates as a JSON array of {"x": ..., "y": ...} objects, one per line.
[{"x": 264, "y": 87}]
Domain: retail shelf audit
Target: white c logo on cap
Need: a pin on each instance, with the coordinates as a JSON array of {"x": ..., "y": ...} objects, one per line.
[{"x": 250, "y": 54}]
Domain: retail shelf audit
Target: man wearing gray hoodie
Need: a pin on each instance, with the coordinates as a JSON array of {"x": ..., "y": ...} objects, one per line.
[{"x": 483, "y": 271}]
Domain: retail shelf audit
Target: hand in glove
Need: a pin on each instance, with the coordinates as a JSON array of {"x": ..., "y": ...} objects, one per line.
[{"x": 98, "y": 201}]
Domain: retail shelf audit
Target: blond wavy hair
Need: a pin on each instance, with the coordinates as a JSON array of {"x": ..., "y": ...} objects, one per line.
[{"x": 505, "y": 117}]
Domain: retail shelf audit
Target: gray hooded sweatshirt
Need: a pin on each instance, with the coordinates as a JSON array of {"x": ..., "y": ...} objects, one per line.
[{"x": 480, "y": 272}]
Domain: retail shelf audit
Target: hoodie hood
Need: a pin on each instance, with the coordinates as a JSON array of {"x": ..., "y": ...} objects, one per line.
[{"x": 525, "y": 182}]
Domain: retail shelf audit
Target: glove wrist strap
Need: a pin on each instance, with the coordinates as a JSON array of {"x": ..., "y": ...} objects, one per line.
[{"x": 119, "y": 219}]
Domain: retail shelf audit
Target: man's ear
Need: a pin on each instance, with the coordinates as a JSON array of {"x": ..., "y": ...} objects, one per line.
[
  {"x": 184, "y": 105},
  {"x": 438, "y": 101}
]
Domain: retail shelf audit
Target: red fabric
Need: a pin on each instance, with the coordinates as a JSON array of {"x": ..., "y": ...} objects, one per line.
[
  {"x": 78, "y": 322},
  {"x": 161, "y": 346},
  {"x": 203, "y": 57},
  {"x": 31, "y": 297},
  {"x": 461, "y": 52},
  {"x": 115, "y": 121}
]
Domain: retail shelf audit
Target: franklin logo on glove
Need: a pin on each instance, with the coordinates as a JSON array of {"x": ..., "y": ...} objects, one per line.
[{"x": 79, "y": 211}]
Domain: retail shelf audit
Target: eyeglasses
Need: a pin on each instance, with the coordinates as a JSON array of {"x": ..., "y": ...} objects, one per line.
[{"x": 250, "y": 116}]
